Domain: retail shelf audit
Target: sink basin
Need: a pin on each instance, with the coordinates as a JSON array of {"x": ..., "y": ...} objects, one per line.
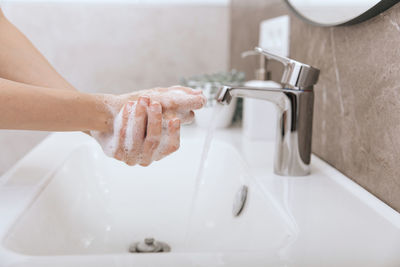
[{"x": 67, "y": 204}]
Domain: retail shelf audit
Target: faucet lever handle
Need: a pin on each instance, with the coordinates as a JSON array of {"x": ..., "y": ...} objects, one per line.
[
  {"x": 261, "y": 73},
  {"x": 249, "y": 53},
  {"x": 268, "y": 55},
  {"x": 296, "y": 75}
]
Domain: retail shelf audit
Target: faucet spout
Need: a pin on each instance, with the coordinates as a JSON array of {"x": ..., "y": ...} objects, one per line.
[
  {"x": 294, "y": 124},
  {"x": 271, "y": 94}
]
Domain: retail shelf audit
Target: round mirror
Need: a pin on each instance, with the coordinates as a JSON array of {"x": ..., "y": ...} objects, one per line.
[{"x": 338, "y": 12}]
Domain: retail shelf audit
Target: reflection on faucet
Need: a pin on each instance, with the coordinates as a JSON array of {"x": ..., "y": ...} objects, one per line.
[
  {"x": 294, "y": 129},
  {"x": 294, "y": 101}
]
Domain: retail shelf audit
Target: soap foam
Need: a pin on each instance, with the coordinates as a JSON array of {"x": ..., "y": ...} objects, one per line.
[
  {"x": 163, "y": 146},
  {"x": 128, "y": 143},
  {"x": 178, "y": 100},
  {"x": 109, "y": 141}
]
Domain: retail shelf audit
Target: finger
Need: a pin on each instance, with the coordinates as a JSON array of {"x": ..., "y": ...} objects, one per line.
[
  {"x": 169, "y": 141},
  {"x": 183, "y": 102},
  {"x": 179, "y": 100},
  {"x": 173, "y": 137},
  {"x": 188, "y": 118},
  {"x": 186, "y": 89},
  {"x": 153, "y": 137},
  {"x": 123, "y": 116},
  {"x": 192, "y": 102},
  {"x": 138, "y": 131}
]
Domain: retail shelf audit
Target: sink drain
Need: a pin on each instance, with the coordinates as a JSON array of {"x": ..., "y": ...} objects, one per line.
[{"x": 149, "y": 245}]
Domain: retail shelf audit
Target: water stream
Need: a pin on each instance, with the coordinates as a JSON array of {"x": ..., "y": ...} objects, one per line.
[
  {"x": 282, "y": 207},
  {"x": 203, "y": 159}
]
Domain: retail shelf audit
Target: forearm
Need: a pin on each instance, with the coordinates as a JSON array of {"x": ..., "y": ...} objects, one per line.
[
  {"x": 20, "y": 61},
  {"x": 27, "y": 107}
]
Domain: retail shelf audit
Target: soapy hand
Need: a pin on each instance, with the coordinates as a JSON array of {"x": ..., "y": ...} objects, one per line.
[
  {"x": 147, "y": 127},
  {"x": 139, "y": 138},
  {"x": 176, "y": 101}
]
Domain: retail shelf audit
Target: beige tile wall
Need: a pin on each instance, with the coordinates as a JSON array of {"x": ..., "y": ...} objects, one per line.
[
  {"x": 357, "y": 100},
  {"x": 117, "y": 48}
]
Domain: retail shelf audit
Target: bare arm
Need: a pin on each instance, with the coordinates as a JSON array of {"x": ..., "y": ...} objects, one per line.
[
  {"x": 129, "y": 127},
  {"x": 30, "y": 107},
  {"x": 20, "y": 61}
]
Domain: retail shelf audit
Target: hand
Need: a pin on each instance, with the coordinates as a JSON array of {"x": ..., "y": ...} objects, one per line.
[
  {"x": 176, "y": 101},
  {"x": 147, "y": 126},
  {"x": 140, "y": 134}
]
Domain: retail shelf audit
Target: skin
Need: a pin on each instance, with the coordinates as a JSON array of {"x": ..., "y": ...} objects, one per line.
[
  {"x": 148, "y": 119},
  {"x": 154, "y": 106},
  {"x": 33, "y": 96}
]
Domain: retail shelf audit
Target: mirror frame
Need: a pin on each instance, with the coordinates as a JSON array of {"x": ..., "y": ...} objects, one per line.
[{"x": 370, "y": 13}]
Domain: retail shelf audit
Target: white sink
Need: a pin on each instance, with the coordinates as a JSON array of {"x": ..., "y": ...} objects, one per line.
[{"x": 66, "y": 204}]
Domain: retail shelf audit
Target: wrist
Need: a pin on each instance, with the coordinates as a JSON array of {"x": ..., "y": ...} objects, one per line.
[{"x": 103, "y": 109}]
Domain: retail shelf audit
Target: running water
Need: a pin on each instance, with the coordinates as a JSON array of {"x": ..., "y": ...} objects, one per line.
[
  {"x": 283, "y": 209},
  {"x": 203, "y": 159},
  {"x": 207, "y": 145}
]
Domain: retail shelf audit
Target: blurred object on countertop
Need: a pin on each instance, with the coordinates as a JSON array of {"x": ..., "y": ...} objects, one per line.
[{"x": 209, "y": 84}]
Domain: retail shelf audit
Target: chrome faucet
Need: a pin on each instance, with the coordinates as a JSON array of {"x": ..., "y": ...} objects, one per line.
[{"x": 295, "y": 103}]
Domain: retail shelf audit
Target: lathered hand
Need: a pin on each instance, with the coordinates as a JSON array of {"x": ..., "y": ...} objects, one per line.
[
  {"x": 176, "y": 101},
  {"x": 147, "y": 127}
]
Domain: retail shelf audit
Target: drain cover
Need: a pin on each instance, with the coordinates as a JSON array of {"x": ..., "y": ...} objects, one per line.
[{"x": 149, "y": 245}]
